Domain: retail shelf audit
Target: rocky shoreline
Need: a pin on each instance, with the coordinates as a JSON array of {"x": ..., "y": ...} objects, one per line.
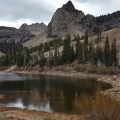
[
  {"x": 114, "y": 80},
  {"x": 20, "y": 114}
]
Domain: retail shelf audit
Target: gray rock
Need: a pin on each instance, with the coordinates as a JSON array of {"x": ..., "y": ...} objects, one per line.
[
  {"x": 36, "y": 28},
  {"x": 69, "y": 20},
  {"x": 66, "y": 20},
  {"x": 115, "y": 77},
  {"x": 13, "y": 34}
]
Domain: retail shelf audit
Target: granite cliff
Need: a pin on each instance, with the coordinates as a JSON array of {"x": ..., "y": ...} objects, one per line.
[
  {"x": 69, "y": 20},
  {"x": 65, "y": 20}
]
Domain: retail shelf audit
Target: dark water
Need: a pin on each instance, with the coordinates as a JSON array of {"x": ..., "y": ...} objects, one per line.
[{"x": 51, "y": 94}]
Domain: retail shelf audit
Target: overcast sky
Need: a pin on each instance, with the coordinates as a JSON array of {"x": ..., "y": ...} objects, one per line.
[{"x": 16, "y": 12}]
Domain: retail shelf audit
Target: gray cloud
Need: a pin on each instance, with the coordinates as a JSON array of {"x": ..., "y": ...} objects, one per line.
[
  {"x": 99, "y": 7},
  {"x": 35, "y": 10},
  {"x": 13, "y": 11},
  {"x": 94, "y": 1}
]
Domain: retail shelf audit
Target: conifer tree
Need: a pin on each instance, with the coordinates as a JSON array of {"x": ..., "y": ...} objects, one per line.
[
  {"x": 42, "y": 59},
  {"x": 79, "y": 51},
  {"x": 60, "y": 61},
  {"x": 91, "y": 47},
  {"x": 72, "y": 54},
  {"x": 99, "y": 57},
  {"x": 107, "y": 52},
  {"x": 76, "y": 38},
  {"x": 113, "y": 54},
  {"x": 93, "y": 56},
  {"x": 77, "y": 48},
  {"x": 66, "y": 49},
  {"x": 86, "y": 38},
  {"x": 20, "y": 59},
  {"x": 85, "y": 52},
  {"x": 56, "y": 56}
]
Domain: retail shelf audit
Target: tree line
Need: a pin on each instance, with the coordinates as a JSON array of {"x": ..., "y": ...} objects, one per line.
[{"x": 60, "y": 52}]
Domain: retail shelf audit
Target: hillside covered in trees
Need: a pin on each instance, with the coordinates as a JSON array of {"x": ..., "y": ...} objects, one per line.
[{"x": 61, "y": 52}]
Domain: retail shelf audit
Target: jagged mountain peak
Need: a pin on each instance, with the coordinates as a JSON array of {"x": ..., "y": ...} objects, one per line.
[
  {"x": 69, "y": 6},
  {"x": 65, "y": 20}
]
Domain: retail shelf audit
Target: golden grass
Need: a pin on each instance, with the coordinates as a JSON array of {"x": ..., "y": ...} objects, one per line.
[
  {"x": 94, "y": 69},
  {"x": 99, "y": 107},
  {"x": 37, "y": 114}
]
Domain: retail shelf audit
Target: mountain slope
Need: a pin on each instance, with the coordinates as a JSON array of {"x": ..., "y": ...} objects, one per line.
[
  {"x": 113, "y": 33},
  {"x": 41, "y": 38},
  {"x": 10, "y": 33}
]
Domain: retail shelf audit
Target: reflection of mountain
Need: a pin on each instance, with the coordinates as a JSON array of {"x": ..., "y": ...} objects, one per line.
[{"x": 57, "y": 93}]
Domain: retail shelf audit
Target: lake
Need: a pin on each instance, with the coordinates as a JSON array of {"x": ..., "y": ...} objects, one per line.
[{"x": 51, "y": 94}]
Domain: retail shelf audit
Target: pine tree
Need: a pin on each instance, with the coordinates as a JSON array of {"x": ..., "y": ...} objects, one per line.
[
  {"x": 60, "y": 61},
  {"x": 77, "y": 47},
  {"x": 93, "y": 56},
  {"x": 76, "y": 38},
  {"x": 50, "y": 59},
  {"x": 20, "y": 59},
  {"x": 99, "y": 57},
  {"x": 85, "y": 52},
  {"x": 86, "y": 39},
  {"x": 72, "y": 54},
  {"x": 79, "y": 51},
  {"x": 66, "y": 49},
  {"x": 113, "y": 54},
  {"x": 42, "y": 59},
  {"x": 90, "y": 50},
  {"x": 56, "y": 56},
  {"x": 107, "y": 52}
]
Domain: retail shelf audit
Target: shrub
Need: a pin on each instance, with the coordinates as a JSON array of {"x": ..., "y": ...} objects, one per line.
[
  {"x": 99, "y": 107},
  {"x": 80, "y": 68}
]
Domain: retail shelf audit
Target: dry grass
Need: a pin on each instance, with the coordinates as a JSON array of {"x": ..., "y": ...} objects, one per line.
[
  {"x": 16, "y": 114},
  {"x": 56, "y": 116},
  {"x": 94, "y": 69},
  {"x": 2, "y": 68},
  {"x": 99, "y": 107}
]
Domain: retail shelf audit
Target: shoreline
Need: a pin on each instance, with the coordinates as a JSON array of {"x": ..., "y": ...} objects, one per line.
[
  {"x": 19, "y": 114},
  {"x": 114, "y": 80}
]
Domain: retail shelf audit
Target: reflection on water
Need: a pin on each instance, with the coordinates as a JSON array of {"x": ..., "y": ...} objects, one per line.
[
  {"x": 8, "y": 76},
  {"x": 19, "y": 103},
  {"x": 52, "y": 94}
]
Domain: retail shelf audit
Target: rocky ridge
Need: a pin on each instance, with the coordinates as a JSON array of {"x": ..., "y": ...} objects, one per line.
[
  {"x": 36, "y": 28},
  {"x": 13, "y": 34},
  {"x": 23, "y": 34}
]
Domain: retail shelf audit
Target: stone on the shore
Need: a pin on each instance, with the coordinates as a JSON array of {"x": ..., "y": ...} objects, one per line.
[{"x": 115, "y": 77}]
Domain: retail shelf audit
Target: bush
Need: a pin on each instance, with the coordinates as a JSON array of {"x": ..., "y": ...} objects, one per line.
[
  {"x": 99, "y": 107},
  {"x": 93, "y": 69},
  {"x": 80, "y": 68}
]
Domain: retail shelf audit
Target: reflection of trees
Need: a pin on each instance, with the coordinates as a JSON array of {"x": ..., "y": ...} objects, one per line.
[
  {"x": 60, "y": 92},
  {"x": 63, "y": 94}
]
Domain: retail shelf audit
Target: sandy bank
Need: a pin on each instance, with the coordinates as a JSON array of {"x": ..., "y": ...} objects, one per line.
[{"x": 7, "y": 113}]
